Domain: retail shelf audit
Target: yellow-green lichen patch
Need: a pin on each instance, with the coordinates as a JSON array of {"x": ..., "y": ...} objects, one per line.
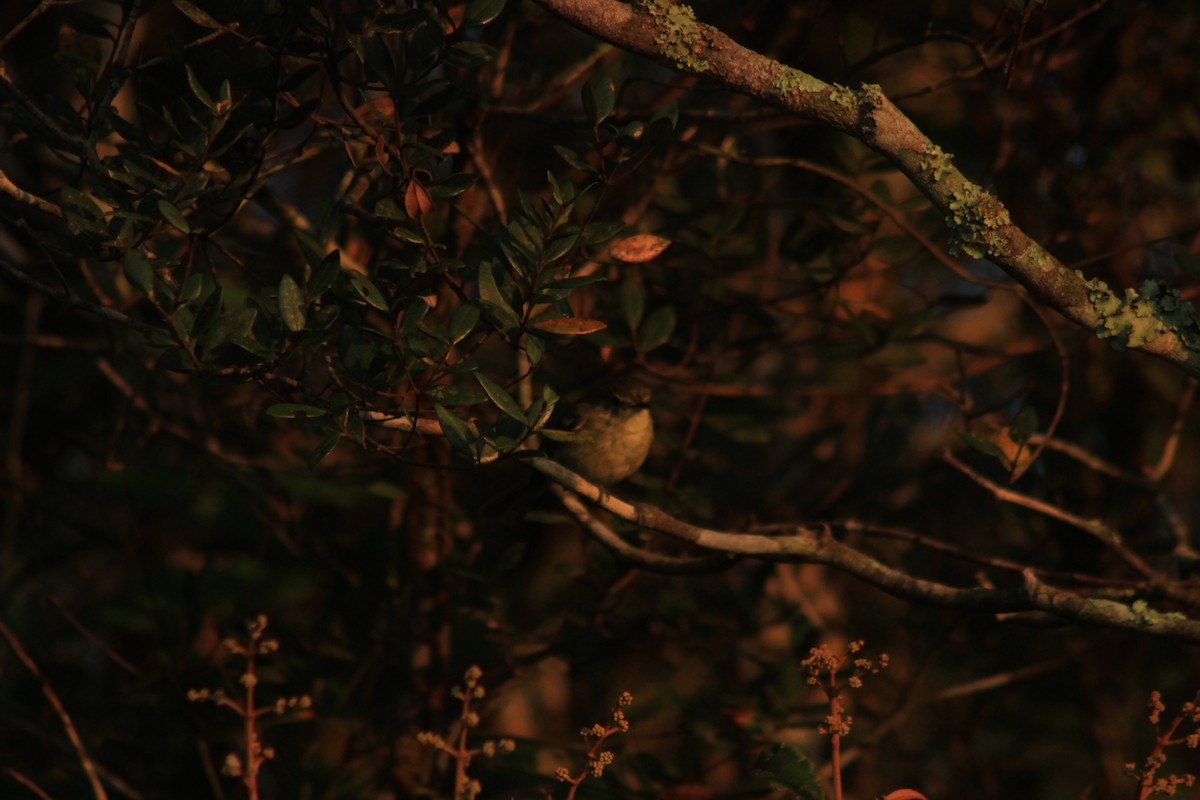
[
  {"x": 934, "y": 163},
  {"x": 1137, "y": 317},
  {"x": 844, "y": 96},
  {"x": 788, "y": 81},
  {"x": 1044, "y": 261},
  {"x": 973, "y": 216},
  {"x": 873, "y": 99},
  {"x": 678, "y": 34}
]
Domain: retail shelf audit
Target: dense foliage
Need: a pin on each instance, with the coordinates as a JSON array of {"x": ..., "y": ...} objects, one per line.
[{"x": 292, "y": 290}]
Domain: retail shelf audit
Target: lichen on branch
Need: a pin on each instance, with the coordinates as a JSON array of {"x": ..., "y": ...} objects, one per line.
[
  {"x": 980, "y": 225},
  {"x": 1138, "y": 316},
  {"x": 680, "y": 37}
]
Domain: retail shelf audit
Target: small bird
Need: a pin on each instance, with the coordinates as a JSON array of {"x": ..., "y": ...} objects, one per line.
[{"x": 615, "y": 433}]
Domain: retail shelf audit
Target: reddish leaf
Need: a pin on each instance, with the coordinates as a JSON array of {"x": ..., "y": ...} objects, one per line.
[
  {"x": 570, "y": 326},
  {"x": 905, "y": 794},
  {"x": 417, "y": 200},
  {"x": 639, "y": 248}
]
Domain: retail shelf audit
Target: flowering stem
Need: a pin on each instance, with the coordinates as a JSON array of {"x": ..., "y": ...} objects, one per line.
[{"x": 835, "y": 742}]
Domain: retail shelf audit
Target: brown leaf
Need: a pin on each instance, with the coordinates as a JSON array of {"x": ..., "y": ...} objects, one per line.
[
  {"x": 417, "y": 201},
  {"x": 379, "y": 110},
  {"x": 381, "y": 151},
  {"x": 570, "y": 326},
  {"x": 639, "y": 248}
]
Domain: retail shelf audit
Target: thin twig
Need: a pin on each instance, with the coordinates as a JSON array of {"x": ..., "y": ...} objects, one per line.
[
  {"x": 669, "y": 565},
  {"x": 75, "y": 301},
  {"x": 1171, "y": 446},
  {"x": 41, "y": 204},
  {"x": 1095, "y": 527},
  {"x": 896, "y": 217},
  {"x": 27, "y": 783},
  {"x": 1064, "y": 386},
  {"x": 52, "y": 697}
]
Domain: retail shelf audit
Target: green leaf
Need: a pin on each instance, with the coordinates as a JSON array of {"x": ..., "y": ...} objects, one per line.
[
  {"x": 209, "y": 309},
  {"x": 787, "y": 767},
  {"x": 469, "y": 54},
  {"x": 368, "y": 291},
  {"x": 295, "y": 411},
  {"x": 503, "y": 400},
  {"x": 493, "y": 301},
  {"x": 81, "y": 213},
  {"x": 539, "y": 413},
  {"x": 574, "y": 159},
  {"x": 173, "y": 215},
  {"x": 481, "y": 12},
  {"x": 416, "y": 311},
  {"x": 193, "y": 287},
  {"x": 576, "y": 283},
  {"x": 407, "y": 234},
  {"x": 389, "y": 209},
  {"x": 182, "y": 322},
  {"x": 139, "y": 271},
  {"x": 982, "y": 445},
  {"x": 657, "y": 329},
  {"x": 598, "y": 98},
  {"x": 563, "y": 436},
  {"x": 559, "y": 246},
  {"x": 291, "y": 304},
  {"x": 324, "y": 449},
  {"x": 462, "y": 322},
  {"x": 234, "y": 325},
  {"x": 456, "y": 431},
  {"x": 516, "y": 256},
  {"x": 314, "y": 251},
  {"x": 452, "y": 186},
  {"x": 425, "y": 43},
  {"x": 198, "y": 90},
  {"x": 176, "y": 359},
  {"x": 599, "y": 232},
  {"x": 325, "y": 275},
  {"x": 450, "y": 395},
  {"x": 1024, "y": 426},
  {"x": 668, "y": 113},
  {"x": 535, "y": 348},
  {"x": 195, "y": 14}
]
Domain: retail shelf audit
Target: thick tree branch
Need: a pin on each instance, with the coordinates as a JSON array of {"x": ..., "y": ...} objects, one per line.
[
  {"x": 817, "y": 545},
  {"x": 1152, "y": 319}
]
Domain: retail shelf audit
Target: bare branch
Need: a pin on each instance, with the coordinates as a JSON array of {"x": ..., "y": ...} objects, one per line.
[
  {"x": 655, "y": 562},
  {"x": 817, "y": 545}
]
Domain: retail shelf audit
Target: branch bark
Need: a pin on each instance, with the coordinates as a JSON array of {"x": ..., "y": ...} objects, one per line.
[
  {"x": 1152, "y": 319},
  {"x": 817, "y": 545}
]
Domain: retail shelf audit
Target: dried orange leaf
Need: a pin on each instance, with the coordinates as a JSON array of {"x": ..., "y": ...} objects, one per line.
[
  {"x": 570, "y": 326},
  {"x": 639, "y": 248},
  {"x": 379, "y": 110},
  {"x": 417, "y": 200}
]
